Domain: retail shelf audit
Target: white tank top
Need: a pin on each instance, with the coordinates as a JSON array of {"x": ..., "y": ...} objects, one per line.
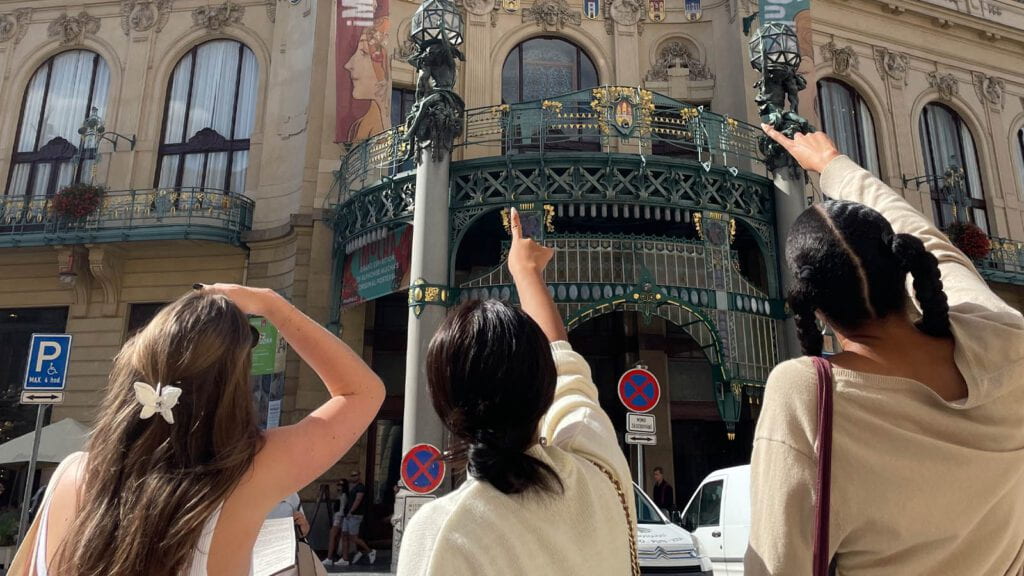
[{"x": 199, "y": 556}]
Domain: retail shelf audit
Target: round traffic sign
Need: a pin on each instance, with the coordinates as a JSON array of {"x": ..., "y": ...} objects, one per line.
[
  {"x": 639, "y": 390},
  {"x": 423, "y": 468}
]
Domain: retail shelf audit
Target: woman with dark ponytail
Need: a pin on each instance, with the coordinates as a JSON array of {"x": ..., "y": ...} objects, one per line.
[
  {"x": 928, "y": 426},
  {"x": 548, "y": 488}
]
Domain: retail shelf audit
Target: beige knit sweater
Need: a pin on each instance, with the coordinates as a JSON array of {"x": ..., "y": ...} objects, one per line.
[
  {"x": 920, "y": 486},
  {"x": 478, "y": 531}
]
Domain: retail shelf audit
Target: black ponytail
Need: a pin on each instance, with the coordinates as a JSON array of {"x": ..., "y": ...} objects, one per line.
[
  {"x": 491, "y": 378},
  {"x": 924, "y": 267},
  {"x": 801, "y": 302}
]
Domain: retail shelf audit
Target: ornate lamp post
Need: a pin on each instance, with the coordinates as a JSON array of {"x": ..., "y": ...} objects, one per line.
[
  {"x": 93, "y": 132},
  {"x": 775, "y": 53},
  {"x": 430, "y": 130}
]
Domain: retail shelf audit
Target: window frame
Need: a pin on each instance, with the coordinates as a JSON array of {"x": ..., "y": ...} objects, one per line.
[
  {"x": 58, "y": 149},
  {"x": 1020, "y": 162},
  {"x": 205, "y": 141},
  {"x": 577, "y": 79},
  {"x": 858, "y": 119},
  {"x": 932, "y": 165}
]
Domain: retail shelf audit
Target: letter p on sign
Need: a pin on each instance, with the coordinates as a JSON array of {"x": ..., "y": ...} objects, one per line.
[{"x": 48, "y": 352}]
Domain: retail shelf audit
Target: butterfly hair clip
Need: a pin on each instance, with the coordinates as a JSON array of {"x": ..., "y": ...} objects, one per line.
[{"x": 160, "y": 399}]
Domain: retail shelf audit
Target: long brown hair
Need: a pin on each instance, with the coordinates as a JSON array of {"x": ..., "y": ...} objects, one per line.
[{"x": 151, "y": 486}]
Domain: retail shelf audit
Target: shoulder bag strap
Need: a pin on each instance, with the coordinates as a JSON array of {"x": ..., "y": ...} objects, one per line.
[{"x": 824, "y": 483}]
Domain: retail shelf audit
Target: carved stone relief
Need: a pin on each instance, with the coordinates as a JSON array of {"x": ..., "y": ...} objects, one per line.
[
  {"x": 552, "y": 15},
  {"x": 624, "y": 13},
  {"x": 947, "y": 85},
  {"x": 479, "y": 7},
  {"x": 842, "y": 59},
  {"x": 991, "y": 90},
  {"x": 675, "y": 54},
  {"x": 14, "y": 26},
  {"x": 271, "y": 10},
  {"x": 217, "y": 17},
  {"x": 892, "y": 65},
  {"x": 72, "y": 29},
  {"x": 144, "y": 15}
]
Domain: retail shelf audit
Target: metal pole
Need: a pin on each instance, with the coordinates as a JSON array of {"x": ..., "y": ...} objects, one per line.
[
  {"x": 789, "y": 203},
  {"x": 640, "y": 466},
  {"x": 31, "y": 475}
]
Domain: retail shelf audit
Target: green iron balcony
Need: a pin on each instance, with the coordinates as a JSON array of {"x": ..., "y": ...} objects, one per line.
[
  {"x": 129, "y": 215},
  {"x": 608, "y": 145},
  {"x": 1004, "y": 263}
]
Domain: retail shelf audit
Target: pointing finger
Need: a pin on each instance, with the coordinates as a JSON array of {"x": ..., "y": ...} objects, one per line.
[{"x": 515, "y": 225}]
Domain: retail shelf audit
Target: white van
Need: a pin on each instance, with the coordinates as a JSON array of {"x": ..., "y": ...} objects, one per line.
[
  {"x": 663, "y": 547},
  {"x": 718, "y": 515}
]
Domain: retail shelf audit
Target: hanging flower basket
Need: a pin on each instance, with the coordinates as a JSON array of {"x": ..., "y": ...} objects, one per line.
[
  {"x": 76, "y": 201},
  {"x": 970, "y": 239}
]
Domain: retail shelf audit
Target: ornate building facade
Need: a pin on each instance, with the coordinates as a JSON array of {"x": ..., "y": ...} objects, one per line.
[{"x": 259, "y": 141}]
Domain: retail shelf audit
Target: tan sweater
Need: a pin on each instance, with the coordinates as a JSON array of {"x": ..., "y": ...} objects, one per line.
[
  {"x": 478, "y": 531},
  {"x": 920, "y": 486}
]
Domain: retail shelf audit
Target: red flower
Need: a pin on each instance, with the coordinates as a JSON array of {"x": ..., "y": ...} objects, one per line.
[
  {"x": 970, "y": 239},
  {"x": 77, "y": 201}
]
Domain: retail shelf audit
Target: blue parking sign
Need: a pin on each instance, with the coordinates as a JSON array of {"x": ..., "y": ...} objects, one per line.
[{"x": 48, "y": 362}]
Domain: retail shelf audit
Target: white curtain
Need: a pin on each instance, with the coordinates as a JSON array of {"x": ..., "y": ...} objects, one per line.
[
  {"x": 67, "y": 83},
  {"x": 847, "y": 120},
  {"x": 947, "y": 141},
  {"x": 223, "y": 98}
]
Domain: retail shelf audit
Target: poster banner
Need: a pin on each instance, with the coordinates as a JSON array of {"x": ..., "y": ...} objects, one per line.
[
  {"x": 363, "y": 70},
  {"x": 268, "y": 367},
  {"x": 377, "y": 269}
]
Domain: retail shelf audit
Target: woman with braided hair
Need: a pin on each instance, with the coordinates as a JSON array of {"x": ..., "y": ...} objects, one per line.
[{"x": 928, "y": 433}]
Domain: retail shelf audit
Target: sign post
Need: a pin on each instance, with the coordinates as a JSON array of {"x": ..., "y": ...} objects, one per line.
[
  {"x": 45, "y": 376},
  {"x": 639, "y": 392}
]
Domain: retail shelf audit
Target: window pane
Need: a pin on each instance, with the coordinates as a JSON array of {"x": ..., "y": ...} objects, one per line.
[
  {"x": 971, "y": 165},
  {"x": 33, "y": 107},
  {"x": 710, "y": 504},
  {"x": 981, "y": 219},
  {"x": 19, "y": 179},
  {"x": 42, "y": 179},
  {"x": 510, "y": 78},
  {"x": 178, "y": 101},
  {"x": 1020, "y": 160},
  {"x": 549, "y": 68},
  {"x": 216, "y": 171},
  {"x": 246, "y": 114},
  {"x": 168, "y": 171},
  {"x": 846, "y": 118},
  {"x": 868, "y": 136},
  {"x": 192, "y": 175},
  {"x": 70, "y": 87},
  {"x": 239, "y": 164},
  {"x": 213, "y": 87}
]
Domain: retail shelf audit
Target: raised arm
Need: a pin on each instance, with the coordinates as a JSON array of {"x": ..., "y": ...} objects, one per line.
[
  {"x": 295, "y": 455},
  {"x": 843, "y": 179},
  {"x": 575, "y": 422}
]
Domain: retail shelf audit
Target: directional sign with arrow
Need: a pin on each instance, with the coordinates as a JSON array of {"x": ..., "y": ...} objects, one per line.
[{"x": 28, "y": 397}]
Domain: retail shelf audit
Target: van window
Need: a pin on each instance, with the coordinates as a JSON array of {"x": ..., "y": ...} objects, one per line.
[{"x": 710, "y": 504}]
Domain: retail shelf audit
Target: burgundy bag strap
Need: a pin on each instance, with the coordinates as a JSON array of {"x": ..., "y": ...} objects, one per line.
[{"x": 824, "y": 484}]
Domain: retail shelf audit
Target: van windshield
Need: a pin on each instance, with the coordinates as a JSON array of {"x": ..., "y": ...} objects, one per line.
[{"x": 645, "y": 512}]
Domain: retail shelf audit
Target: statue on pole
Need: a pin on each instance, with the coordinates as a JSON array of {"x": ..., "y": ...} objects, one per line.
[{"x": 436, "y": 117}]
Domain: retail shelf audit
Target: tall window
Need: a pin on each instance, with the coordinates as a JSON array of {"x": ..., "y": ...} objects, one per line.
[
  {"x": 1020, "y": 160},
  {"x": 947, "y": 141},
  {"x": 211, "y": 107},
  {"x": 846, "y": 118},
  {"x": 57, "y": 100},
  {"x": 543, "y": 68},
  {"x": 401, "y": 104}
]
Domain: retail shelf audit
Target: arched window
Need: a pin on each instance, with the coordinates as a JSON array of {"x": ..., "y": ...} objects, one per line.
[
  {"x": 211, "y": 107},
  {"x": 1020, "y": 160},
  {"x": 57, "y": 101},
  {"x": 544, "y": 68},
  {"x": 846, "y": 118},
  {"x": 947, "y": 142}
]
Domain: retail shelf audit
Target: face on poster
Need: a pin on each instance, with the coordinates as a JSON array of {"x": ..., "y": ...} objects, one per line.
[{"x": 364, "y": 70}]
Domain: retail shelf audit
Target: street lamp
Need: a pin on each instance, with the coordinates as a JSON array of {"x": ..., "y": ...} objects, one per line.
[
  {"x": 436, "y": 21},
  {"x": 92, "y": 132},
  {"x": 774, "y": 45},
  {"x": 952, "y": 187}
]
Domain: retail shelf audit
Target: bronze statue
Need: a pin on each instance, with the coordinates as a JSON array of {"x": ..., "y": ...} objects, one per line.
[{"x": 436, "y": 117}]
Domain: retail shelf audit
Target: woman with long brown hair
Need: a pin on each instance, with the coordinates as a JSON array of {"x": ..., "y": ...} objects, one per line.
[{"x": 178, "y": 477}]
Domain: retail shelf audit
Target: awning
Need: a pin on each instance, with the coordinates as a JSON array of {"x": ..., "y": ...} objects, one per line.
[{"x": 58, "y": 442}]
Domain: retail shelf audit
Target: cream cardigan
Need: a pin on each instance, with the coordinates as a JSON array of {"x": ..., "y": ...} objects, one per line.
[
  {"x": 920, "y": 486},
  {"x": 478, "y": 531}
]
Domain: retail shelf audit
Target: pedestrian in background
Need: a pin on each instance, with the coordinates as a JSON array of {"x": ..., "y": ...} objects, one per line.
[
  {"x": 928, "y": 440},
  {"x": 352, "y": 523},
  {"x": 664, "y": 497},
  {"x": 548, "y": 488},
  {"x": 337, "y": 520},
  {"x": 179, "y": 478}
]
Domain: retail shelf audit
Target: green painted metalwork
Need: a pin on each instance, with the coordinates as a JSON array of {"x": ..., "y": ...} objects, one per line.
[
  {"x": 1005, "y": 263},
  {"x": 159, "y": 214}
]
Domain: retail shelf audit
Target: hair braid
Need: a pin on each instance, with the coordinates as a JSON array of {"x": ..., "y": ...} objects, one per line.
[
  {"x": 801, "y": 301},
  {"x": 924, "y": 267}
]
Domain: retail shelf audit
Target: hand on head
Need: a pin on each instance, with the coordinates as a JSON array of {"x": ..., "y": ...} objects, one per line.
[
  {"x": 526, "y": 256},
  {"x": 253, "y": 301},
  {"x": 813, "y": 151}
]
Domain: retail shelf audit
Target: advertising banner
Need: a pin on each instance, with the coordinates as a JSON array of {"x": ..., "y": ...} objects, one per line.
[
  {"x": 363, "y": 70},
  {"x": 377, "y": 269},
  {"x": 268, "y": 367}
]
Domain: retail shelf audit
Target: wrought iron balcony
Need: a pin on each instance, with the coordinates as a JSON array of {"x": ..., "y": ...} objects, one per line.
[
  {"x": 587, "y": 121},
  {"x": 158, "y": 214},
  {"x": 1005, "y": 263}
]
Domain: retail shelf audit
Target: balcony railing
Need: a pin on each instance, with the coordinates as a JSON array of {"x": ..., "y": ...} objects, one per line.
[
  {"x": 158, "y": 214},
  {"x": 1005, "y": 263},
  {"x": 650, "y": 124}
]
